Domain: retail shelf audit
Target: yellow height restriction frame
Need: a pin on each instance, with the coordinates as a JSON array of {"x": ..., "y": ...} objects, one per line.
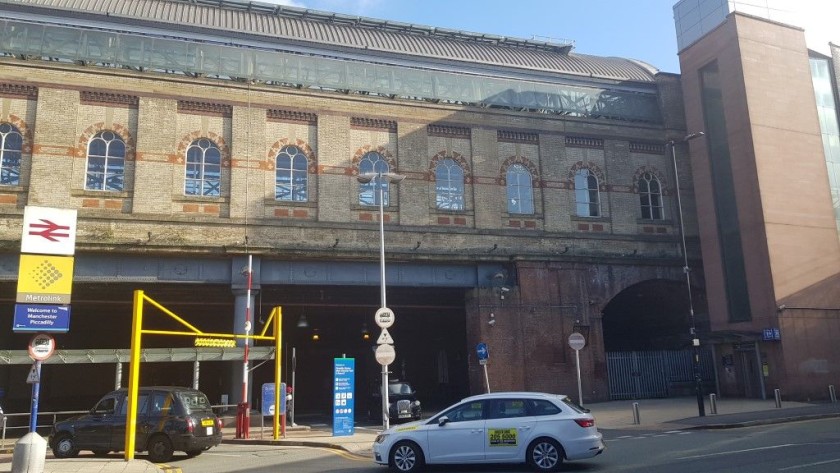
[{"x": 274, "y": 320}]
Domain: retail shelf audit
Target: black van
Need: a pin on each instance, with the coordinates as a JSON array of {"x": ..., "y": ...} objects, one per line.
[{"x": 169, "y": 419}]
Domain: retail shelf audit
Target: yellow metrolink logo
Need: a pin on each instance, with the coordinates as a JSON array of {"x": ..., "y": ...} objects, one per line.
[{"x": 45, "y": 279}]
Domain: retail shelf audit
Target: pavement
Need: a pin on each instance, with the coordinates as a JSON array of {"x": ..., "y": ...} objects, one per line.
[{"x": 644, "y": 414}]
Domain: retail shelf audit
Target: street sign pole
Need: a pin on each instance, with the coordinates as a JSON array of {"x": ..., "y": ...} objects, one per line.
[
  {"x": 36, "y": 392},
  {"x": 577, "y": 342},
  {"x": 486, "y": 379},
  {"x": 483, "y": 356}
]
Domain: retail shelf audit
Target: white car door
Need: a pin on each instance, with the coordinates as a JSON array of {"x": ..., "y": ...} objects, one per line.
[
  {"x": 509, "y": 429},
  {"x": 460, "y": 438}
]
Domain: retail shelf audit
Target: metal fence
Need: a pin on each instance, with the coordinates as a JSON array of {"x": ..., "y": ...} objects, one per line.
[{"x": 655, "y": 374}]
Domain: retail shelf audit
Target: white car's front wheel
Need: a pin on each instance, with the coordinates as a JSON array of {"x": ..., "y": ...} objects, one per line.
[
  {"x": 545, "y": 455},
  {"x": 406, "y": 457}
]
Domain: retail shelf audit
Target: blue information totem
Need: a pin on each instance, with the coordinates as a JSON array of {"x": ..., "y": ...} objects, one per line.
[{"x": 344, "y": 374}]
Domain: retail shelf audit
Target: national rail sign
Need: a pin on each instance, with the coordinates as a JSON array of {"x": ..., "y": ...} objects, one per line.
[
  {"x": 45, "y": 279},
  {"x": 48, "y": 231}
]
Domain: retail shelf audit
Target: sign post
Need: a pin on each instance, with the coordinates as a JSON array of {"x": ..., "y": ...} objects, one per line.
[
  {"x": 483, "y": 357},
  {"x": 41, "y": 347},
  {"x": 577, "y": 341}
]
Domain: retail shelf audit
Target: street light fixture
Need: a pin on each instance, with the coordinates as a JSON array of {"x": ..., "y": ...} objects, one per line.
[
  {"x": 695, "y": 341},
  {"x": 378, "y": 177}
]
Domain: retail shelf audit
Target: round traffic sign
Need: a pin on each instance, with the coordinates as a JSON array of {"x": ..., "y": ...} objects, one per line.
[
  {"x": 385, "y": 354},
  {"x": 577, "y": 341},
  {"x": 41, "y": 347},
  {"x": 384, "y": 317}
]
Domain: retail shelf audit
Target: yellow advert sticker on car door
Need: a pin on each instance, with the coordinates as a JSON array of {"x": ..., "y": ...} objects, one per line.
[{"x": 503, "y": 437}]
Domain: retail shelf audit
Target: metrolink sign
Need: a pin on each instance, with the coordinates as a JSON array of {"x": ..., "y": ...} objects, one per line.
[{"x": 45, "y": 272}]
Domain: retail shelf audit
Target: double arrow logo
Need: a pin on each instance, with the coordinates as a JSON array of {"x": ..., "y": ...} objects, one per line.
[{"x": 50, "y": 230}]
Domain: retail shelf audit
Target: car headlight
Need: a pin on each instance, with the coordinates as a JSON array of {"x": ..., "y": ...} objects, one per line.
[{"x": 380, "y": 438}]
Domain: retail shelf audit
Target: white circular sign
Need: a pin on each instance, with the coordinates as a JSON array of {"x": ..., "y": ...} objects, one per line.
[
  {"x": 41, "y": 347},
  {"x": 384, "y": 317},
  {"x": 385, "y": 354},
  {"x": 577, "y": 341}
]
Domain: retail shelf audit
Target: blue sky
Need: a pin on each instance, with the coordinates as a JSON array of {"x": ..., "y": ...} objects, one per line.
[{"x": 636, "y": 29}]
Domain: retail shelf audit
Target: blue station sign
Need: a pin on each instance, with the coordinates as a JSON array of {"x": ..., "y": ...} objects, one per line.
[
  {"x": 268, "y": 399},
  {"x": 41, "y": 318},
  {"x": 344, "y": 373}
]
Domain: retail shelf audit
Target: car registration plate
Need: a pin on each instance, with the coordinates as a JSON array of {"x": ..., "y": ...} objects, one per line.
[{"x": 207, "y": 423}]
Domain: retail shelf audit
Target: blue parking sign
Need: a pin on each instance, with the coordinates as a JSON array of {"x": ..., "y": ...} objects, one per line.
[{"x": 268, "y": 399}]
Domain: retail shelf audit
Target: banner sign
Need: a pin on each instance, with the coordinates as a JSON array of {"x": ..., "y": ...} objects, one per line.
[
  {"x": 344, "y": 370},
  {"x": 41, "y": 318}
]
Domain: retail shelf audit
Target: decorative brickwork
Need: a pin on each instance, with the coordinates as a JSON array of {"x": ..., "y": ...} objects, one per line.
[
  {"x": 649, "y": 148},
  {"x": 461, "y": 160},
  {"x": 205, "y": 108},
  {"x": 17, "y": 91},
  {"x": 448, "y": 131},
  {"x": 119, "y": 130},
  {"x": 361, "y": 152},
  {"x": 530, "y": 166},
  {"x": 104, "y": 98},
  {"x": 584, "y": 142},
  {"x": 517, "y": 137},
  {"x": 373, "y": 124},
  {"x": 638, "y": 176},
  {"x": 187, "y": 140},
  {"x": 594, "y": 169},
  {"x": 291, "y": 116},
  {"x": 271, "y": 158},
  {"x": 25, "y": 132}
]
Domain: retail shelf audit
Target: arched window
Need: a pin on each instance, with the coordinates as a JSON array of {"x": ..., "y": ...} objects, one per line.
[
  {"x": 11, "y": 145},
  {"x": 587, "y": 198},
  {"x": 449, "y": 185},
  {"x": 291, "y": 175},
  {"x": 520, "y": 193},
  {"x": 373, "y": 162},
  {"x": 106, "y": 162},
  {"x": 650, "y": 197},
  {"x": 203, "y": 169}
]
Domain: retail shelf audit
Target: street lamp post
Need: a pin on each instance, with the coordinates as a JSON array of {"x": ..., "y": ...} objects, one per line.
[
  {"x": 695, "y": 341},
  {"x": 391, "y": 178}
]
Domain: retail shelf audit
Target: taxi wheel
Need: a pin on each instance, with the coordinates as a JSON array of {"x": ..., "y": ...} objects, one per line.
[
  {"x": 160, "y": 449},
  {"x": 65, "y": 447},
  {"x": 406, "y": 457},
  {"x": 545, "y": 455}
]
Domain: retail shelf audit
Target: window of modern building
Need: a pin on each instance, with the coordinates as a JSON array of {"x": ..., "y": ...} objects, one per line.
[
  {"x": 106, "y": 163},
  {"x": 829, "y": 127},
  {"x": 11, "y": 145},
  {"x": 203, "y": 169},
  {"x": 374, "y": 163},
  {"x": 449, "y": 185},
  {"x": 291, "y": 176},
  {"x": 520, "y": 192},
  {"x": 587, "y": 197},
  {"x": 650, "y": 197}
]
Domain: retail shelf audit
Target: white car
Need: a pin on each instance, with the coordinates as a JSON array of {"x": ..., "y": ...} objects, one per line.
[{"x": 507, "y": 427}]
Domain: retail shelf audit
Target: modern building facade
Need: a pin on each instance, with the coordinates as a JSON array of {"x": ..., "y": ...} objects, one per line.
[{"x": 767, "y": 184}]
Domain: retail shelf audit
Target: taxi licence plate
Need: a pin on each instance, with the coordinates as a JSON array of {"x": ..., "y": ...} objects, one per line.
[{"x": 207, "y": 422}]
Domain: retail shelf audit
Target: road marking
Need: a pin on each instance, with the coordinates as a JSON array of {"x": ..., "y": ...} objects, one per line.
[
  {"x": 345, "y": 454},
  {"x": 771, "y": 447},
  {"x": 808, "y": 465}
]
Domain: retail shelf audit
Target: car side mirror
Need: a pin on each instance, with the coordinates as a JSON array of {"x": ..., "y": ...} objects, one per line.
[{"x": 443, "y": 421}]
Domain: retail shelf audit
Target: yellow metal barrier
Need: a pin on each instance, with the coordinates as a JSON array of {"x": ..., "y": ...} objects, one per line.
[{"x": 274, "y": 320}]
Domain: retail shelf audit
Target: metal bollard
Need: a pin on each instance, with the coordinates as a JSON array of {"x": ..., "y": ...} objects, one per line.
[
  {"x": 636, "y": 419},
  {"x": 713, "y": 403},
  {"x": 778, "y": 395},
  {"x": 832, "y": 394}
]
